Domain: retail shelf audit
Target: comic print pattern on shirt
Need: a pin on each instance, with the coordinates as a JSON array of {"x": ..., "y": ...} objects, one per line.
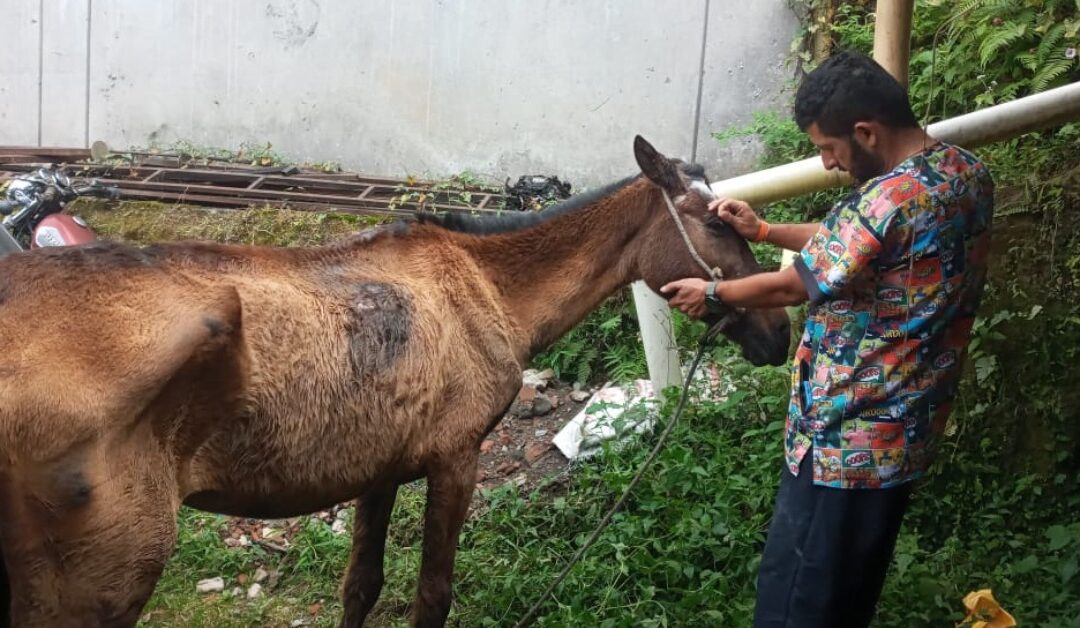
[{"x": 895, "y": 274}]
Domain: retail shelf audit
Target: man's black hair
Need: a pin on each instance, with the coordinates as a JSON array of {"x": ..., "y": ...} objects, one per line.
[{"x": 850, "y": 87}]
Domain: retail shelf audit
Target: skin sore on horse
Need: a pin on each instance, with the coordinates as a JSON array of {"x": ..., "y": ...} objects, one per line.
[{"x": 380, "y": 317}]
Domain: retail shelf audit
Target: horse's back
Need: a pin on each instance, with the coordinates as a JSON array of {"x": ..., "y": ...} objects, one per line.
[{"x": 352, "y": 363}]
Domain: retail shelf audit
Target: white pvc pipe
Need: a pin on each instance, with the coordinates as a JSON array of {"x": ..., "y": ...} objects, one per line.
[
  {"x": 1007, "y": 120},
  {"x": 658, "y": 337},
  {"x": 1031, "y": 113}
]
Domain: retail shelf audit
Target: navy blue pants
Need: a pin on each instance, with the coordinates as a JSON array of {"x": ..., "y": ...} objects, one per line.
[{"x": 827, "y": 553}]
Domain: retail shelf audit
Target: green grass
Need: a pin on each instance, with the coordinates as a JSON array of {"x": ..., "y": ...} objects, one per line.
[{"x": 144, "y": 222}]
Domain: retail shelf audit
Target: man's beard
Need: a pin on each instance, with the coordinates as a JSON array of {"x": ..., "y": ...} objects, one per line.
[{"x": 864, "y": 164}]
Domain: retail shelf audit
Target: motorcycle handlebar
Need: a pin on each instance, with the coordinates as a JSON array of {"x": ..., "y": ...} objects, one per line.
[{"x": 100, "y": 191}]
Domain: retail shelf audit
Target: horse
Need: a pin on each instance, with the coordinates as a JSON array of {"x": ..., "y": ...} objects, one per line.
[{"x": 273, "y": 382}]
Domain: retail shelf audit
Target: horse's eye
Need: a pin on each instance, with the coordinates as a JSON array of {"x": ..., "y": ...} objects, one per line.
[{"x": 716, "y": 226}]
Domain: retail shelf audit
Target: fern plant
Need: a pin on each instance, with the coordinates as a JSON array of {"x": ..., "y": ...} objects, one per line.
[{"x": 970, "y": 54}]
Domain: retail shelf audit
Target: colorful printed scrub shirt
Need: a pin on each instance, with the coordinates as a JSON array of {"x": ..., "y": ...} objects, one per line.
[{"x": 895, "y": 274}]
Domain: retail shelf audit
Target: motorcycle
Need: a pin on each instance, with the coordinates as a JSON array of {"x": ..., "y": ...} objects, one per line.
[{"x": 32, "y": 209}]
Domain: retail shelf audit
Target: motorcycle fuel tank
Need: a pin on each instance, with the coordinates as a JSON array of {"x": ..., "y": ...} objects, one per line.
[{"x": 61, "y": 230}]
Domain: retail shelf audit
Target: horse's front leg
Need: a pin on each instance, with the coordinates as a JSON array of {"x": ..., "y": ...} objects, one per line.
[
  {"x": 450, "y": 489},
  {"x": 365, "y": 579}
]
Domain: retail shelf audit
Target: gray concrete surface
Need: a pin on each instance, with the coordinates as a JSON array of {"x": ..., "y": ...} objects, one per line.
[{"x": 431, "y": 88}]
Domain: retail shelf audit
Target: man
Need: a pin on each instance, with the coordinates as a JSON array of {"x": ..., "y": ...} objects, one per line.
[{"x": 893, "y": 277}]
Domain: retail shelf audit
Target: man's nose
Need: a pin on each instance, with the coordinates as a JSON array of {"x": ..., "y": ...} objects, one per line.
[{"x": 829, "y": 162}]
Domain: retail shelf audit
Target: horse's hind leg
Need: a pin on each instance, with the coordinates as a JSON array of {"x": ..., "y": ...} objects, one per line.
[
  {"x": 365, "y": 579},
  {"x": 450, "y": 489}
]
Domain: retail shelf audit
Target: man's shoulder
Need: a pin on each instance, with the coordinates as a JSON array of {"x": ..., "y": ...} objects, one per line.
[
  {"x": 953, "y": 151},
  {"x": 911, "y": 181},
  {"x": 878, "y": 199}
]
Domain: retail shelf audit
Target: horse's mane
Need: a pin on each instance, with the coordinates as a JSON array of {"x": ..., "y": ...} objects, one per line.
[{"x": 515, "y": 221}]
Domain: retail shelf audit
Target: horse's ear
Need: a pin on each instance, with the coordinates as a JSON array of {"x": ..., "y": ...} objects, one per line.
[{"x": 658, "y": 168}]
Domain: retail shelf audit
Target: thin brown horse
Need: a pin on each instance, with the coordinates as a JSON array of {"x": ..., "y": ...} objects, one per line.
[{"x": 271, "y": 382}]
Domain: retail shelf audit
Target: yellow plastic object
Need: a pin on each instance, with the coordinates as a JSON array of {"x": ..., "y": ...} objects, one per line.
[{"x": 985, "y": 612}]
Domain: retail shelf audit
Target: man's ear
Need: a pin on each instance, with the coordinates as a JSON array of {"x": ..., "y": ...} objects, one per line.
[
  {"x": 867, "y": 134},
  {"x": 658, "y": 168}
]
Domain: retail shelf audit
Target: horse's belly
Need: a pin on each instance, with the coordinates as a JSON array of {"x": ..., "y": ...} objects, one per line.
[
  {"x": 280, "y": 505},
  {"x": 251, "y": 474}
]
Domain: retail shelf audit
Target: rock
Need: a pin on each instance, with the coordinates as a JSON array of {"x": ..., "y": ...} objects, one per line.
[
  {"x": 535, "y": 451},
  {"x": 254, "y": 591},
  {"x": 505, "y": 438},
  {"x": 236, "y": 592},
  {"x": 526, "y": 394},
  {"x": 520, "y": 410},
  {"x": 580, "y": 396},
  {"x": 241, "y": 541},
  {"x": 487, "y": 445},
  {"x": 241, "y": 579},
  {"x": 540, "y": 433},
  {"x": 297, "y": 623},
  {"x": 578, "y": 386},
  {"x": 275, "y": 576},
  {"x": 339, "y": 526},
  {"x": 210, "y": 585},
  {"x": 260, "y": 575},
  {"x": 537, "y": 379},
  {"x": 542, "y": 405},
  {"x": 507, "y": 468}
]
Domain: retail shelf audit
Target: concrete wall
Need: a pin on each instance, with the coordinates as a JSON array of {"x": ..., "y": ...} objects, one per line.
[{"x": 499, "y": 87}]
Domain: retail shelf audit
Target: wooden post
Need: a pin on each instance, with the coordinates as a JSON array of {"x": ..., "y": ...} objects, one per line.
[{"x": 892, "y": 37}]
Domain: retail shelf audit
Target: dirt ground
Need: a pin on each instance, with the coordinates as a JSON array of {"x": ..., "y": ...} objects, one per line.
[{"x": 519, "y": 449}]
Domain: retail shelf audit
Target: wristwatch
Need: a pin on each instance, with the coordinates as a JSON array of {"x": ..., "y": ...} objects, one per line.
[{"x": 711, "y": 301}]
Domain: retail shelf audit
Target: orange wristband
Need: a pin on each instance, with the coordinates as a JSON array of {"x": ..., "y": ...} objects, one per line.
[{"x": 763, "y": 232}]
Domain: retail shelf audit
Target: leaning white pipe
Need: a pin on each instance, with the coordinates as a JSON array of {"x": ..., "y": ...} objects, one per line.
[
  {"x": 1007, "y": 120},
  {"x": 1032, "y": 113}
]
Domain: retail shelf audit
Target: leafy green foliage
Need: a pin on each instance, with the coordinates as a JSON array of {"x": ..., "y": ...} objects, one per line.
[
  {"x": 988, "y": 51},
  {"x": 455, "y": 190}
]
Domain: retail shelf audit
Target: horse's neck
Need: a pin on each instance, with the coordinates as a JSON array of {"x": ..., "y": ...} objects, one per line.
[{"x": 551, "y": 275}]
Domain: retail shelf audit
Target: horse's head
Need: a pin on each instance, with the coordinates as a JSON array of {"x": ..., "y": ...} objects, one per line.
[{"x": 763, "y": 334}]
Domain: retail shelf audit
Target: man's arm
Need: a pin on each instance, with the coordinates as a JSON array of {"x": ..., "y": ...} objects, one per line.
[
  {"x": 741, "y": 217},
  {"x": 792, "y": 237},
  {"x": 763, "y": 290}
]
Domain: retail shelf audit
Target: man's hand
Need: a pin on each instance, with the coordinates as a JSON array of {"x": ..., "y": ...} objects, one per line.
[
  {"x": 689, "y": 296},
  {"x": 739, "y": 215}
]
